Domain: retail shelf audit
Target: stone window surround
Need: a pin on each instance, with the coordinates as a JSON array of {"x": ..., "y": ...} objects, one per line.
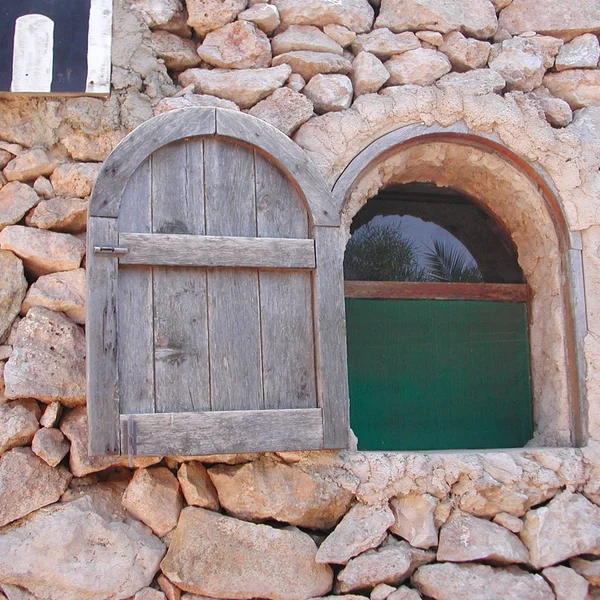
[{"x": 523, "y": 200}]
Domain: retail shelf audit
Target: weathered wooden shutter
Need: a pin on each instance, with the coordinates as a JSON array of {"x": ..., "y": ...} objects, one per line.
[{"x": 215, "y": 293}]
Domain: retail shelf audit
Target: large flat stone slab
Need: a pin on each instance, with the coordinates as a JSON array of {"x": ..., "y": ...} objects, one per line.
[{"x": 220, "y": 557}]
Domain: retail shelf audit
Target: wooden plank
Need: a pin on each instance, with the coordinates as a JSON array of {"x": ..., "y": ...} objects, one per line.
[
  {"x": 288, "y": 156},
  {"x": 330, "y": 326},
  {"x": 181, "y": 375},
  {"x": 285, "y": 297},
  {"x": 101, "y": 338},
  {"x": 228, "y": 432},
  {"x": 404, "y": 290},
  {"x": 217, "y": 251},
  {"x": 136, "y": 344},
  {"x": 233, "y": 295},
  {"x": 137, "y": 146},
  {"x": 99, "y": 47}
]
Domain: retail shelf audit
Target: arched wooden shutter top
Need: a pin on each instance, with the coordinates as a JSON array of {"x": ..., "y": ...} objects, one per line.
[{"x": 215, "y": 293}]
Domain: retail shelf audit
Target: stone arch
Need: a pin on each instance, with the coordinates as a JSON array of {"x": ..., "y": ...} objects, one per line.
[{"x": 523, "y": 201}]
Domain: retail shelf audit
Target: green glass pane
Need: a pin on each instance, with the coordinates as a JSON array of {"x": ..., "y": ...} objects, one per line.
[{"x": 438, "y": 374}]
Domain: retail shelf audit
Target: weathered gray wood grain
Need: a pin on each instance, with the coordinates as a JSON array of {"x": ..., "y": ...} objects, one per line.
[
  {"x": 233, "y": 294},
  {"x": 230, "y": 431},
  {"x": 138, "y": 145},
  {"x": 332, "y": 368},
  {"x": 285, "y": 297},
  {"x": 101, "y": 338},
  {"x": 181, "y": 375},
  {"x": 134, "y": 307},
  {"x": 217, "y": 251},
  {"x": 289, "y": 157}
]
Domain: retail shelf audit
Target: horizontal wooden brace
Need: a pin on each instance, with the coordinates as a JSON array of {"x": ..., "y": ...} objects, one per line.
[
  {"x": 169, "y": 434},
  {"x": 216, "y": 251},
  {"x": 402, "y": 290}
]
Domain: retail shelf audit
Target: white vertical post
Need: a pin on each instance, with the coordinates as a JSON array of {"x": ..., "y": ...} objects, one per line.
[
  {"x": 33, "y": 54},
  {"x": 99, "y": 46}
]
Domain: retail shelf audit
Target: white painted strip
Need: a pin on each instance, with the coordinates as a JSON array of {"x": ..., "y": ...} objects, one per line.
[
  {"x": 33, "y": 54},
  {"x": 99, "y": 47}
]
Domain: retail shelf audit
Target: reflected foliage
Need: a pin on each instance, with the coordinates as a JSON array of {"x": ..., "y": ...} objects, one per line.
[{"x": 382, "y": 253}]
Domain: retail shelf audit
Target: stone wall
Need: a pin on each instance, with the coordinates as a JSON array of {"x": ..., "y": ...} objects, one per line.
[{"x": 335, "y": 76}]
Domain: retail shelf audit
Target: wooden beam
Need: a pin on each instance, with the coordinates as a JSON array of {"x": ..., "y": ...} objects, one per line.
[
  {"x": 221, "y": 432},
  {"x": 401, "y": 290},
  {"x": 216, "y": 251}
]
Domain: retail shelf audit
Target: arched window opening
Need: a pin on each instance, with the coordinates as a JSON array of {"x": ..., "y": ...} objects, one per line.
[{"x": 437, "y": 320}]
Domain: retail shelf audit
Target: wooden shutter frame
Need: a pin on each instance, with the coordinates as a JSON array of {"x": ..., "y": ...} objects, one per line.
[{"x": 328, "y": 297}]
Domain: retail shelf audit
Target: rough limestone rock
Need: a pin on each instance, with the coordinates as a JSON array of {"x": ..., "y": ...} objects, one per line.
[
  {"x": 557, "y": 111},
  {"x": 578, "y": 87},
  {"x": 383, "y": 43},
  {"x": 362, "y": 528},
  {"x": 178, "y": 53},
  {"x": 244, "y": 87},
  {"x": 448, "y": 581},
  {"x": 43, "y": 188},
  {"x": 197, "y": 488},
  {"x": 62, "y": 292},
  {"x": 153, "y": 497},
  {"x": 590, "y": 569},
  {"x": 43, "y": 252},
  {"x": 13, "y": 286},
  {"x": 368, "y": 74},
  {"x": 264, "y": 16},
  {"x": 190, "y": 100},
  {"x": 266, "y": 489},
  {"x": 405, "y": 593},
  {"x": 75, "y": 179},
  {"x": 48, "y": 359},
  {"x": 392, "y": 563},
  {"x": 581, "y": 53},
  {"x": 308, "y": 64},
  {"x": 206, "y": 15},
  {"x": 296, "y": 82},
  {"x": 511, "y": 522},
  {"x": 50, "y": 445},
  {"x": 414, "y": 519},
  {"x": 149, "y": 593},
  {"x": 329, "y": 93},
  {"x": 419, "y": 67},
  {"x": 569, "y": 525},
  {"x": 51, "y": 415},
  {"x": 476, "y": 18},
  {"x": 171, "y": 591},
  {"x": 523, "y": 71},
  {"x": 466, "y": 538},
  {"x": 304, "y": 37},
  {"x": 545, "y": 46},
  {"x": 559, "y": 18},
  {"x": 19, "y": 421},
  {"x": 284, "y": 109},
  {"x": 15, "y": 200},
  {"x": 26, "y": 484},
  {"x": 105, "y": 495},
  {"x": 381, "y": 591},
  {"x": 75, "y": 551},
  {"x": 29, "y": 165},
  {"x": 221, "y": 557},
  {"x": 75, "y": 427},
  {"x": 156, "y": 13},
  {"x": 66, "y": 215},
  {"x": 340, "y": 34},
  {"x": 464, "y": 53},
  {"x": 478, "y": 82},
  {"x": 239, "y": 45},
  {"x": 3, "y": 398},
  {"x": 356, "y": 15},
  {"x": 566, "y": 583}
]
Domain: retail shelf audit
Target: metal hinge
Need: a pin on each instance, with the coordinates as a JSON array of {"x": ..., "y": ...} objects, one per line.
[
  {"x": 129, "y": 433},
  {"x": 110, "y": 250}
]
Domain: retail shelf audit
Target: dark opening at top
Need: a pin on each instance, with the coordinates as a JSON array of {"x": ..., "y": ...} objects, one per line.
[{"x": 423, "y": 233}]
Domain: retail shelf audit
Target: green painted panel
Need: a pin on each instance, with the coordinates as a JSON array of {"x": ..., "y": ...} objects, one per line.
[{"x": 438, "y": 374}]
